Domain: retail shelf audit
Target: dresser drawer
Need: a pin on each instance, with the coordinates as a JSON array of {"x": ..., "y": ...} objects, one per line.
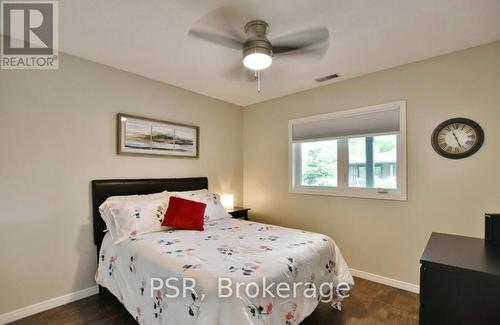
[{"x": 450, "y": 295}]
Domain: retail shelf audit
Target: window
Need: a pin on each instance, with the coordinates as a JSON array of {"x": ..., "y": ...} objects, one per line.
[
  {"x": 381, "y": 161},
  {"x": 319, "y": 163},
  {"x": 358, "y": 153}
]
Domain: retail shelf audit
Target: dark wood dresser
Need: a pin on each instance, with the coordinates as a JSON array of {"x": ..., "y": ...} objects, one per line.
[{"x": 459, "y": 281}]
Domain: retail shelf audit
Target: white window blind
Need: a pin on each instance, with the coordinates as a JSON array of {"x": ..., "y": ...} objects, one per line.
[{"x": 339, "y": 125}]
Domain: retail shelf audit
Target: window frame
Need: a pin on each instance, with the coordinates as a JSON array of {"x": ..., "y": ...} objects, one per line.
[{"x": 342, "y": 189}]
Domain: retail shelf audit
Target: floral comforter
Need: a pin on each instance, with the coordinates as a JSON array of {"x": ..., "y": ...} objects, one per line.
[{"x": 234, "y": 249}]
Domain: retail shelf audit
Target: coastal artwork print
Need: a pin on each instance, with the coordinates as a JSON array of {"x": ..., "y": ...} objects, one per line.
[{"x": 145, "y": 136}]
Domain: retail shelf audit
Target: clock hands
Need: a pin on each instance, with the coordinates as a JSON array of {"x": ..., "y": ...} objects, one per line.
[{"x": 457, "y": 139}]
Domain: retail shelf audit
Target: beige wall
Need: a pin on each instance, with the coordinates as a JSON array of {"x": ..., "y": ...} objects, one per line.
[
  {"x": 379, "y": 236},
  {"x": 57, "y": 133}
]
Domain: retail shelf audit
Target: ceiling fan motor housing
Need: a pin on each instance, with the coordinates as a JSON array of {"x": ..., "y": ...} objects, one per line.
[
  {"x": 257, "y": 29},
  {"x": 257, "y": 42}
]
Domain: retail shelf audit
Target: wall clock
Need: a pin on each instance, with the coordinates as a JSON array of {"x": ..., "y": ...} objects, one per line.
[{"x": 457, "y": 138}]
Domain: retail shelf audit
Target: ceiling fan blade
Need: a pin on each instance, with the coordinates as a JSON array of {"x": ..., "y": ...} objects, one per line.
[
  {"x": 224, "y": 20},
  {"x": 215, "y": 38},
  {"x": 300, "y": 40},
  {"x": 315, "y": 52}
]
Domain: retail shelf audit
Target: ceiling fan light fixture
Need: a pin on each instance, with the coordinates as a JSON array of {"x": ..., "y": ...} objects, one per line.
[{"x": 257, "y": 59}]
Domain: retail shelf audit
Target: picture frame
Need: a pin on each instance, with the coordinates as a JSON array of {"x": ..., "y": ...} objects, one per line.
[{"x": 144, "y": 136}]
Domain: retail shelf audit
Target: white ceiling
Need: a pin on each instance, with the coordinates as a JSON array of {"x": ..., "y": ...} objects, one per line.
[{"x": 149, "y": 38}]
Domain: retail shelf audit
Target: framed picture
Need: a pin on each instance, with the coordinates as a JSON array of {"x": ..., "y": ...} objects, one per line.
[{"x": 151, "y": 137}]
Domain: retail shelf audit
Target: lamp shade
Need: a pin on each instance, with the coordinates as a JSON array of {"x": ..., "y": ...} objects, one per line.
[{"x": 227, "y": 201}]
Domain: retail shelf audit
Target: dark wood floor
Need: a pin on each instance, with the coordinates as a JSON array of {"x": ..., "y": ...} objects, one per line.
[{"x": 369, "y": 303}]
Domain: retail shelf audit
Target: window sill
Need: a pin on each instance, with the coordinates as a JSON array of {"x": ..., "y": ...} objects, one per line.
[{"x": 394, "y": 196}]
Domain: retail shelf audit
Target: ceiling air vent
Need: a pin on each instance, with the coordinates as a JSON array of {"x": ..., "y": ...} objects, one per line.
[{"x": 332, "y": 76}]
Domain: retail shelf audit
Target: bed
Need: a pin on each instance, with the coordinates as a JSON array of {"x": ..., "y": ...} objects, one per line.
[{"x": 242, "y": 257}]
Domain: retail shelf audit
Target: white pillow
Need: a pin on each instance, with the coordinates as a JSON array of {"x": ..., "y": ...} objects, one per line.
[
  {"x": 214, "y": 210},
  {"x": 131, "y": 215},
  {"x": 134, "y": 218},
  {"x": 183, "y": 193},
  {"x": 159, "y": 195}
]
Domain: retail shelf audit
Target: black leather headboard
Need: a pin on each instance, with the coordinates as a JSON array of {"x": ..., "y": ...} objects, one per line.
[{"x": 102, "y": 189}]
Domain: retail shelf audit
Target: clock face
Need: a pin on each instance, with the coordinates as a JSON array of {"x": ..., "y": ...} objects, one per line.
[{"x": 457, "y": 138}]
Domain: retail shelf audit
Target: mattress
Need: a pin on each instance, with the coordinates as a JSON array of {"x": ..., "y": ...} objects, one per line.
[{"x": 212, "y": 271}]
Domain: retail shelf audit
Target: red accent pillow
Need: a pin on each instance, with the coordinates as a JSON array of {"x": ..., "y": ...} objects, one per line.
[{"x": 184, "y": 214}]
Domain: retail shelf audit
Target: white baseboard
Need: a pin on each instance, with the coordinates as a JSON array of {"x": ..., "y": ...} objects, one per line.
[
  {"x": 387, "y": 281},
  {"x": 47, "y": 304}
]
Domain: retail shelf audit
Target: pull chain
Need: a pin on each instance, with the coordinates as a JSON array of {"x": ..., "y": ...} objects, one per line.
[{"x": 258, "y": 81}]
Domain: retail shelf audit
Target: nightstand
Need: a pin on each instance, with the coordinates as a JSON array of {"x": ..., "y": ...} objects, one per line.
[{"x": 239, "y": 212}]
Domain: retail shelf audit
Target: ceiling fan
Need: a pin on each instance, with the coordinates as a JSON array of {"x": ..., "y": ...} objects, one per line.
[{"x": 257, "y": 50}]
